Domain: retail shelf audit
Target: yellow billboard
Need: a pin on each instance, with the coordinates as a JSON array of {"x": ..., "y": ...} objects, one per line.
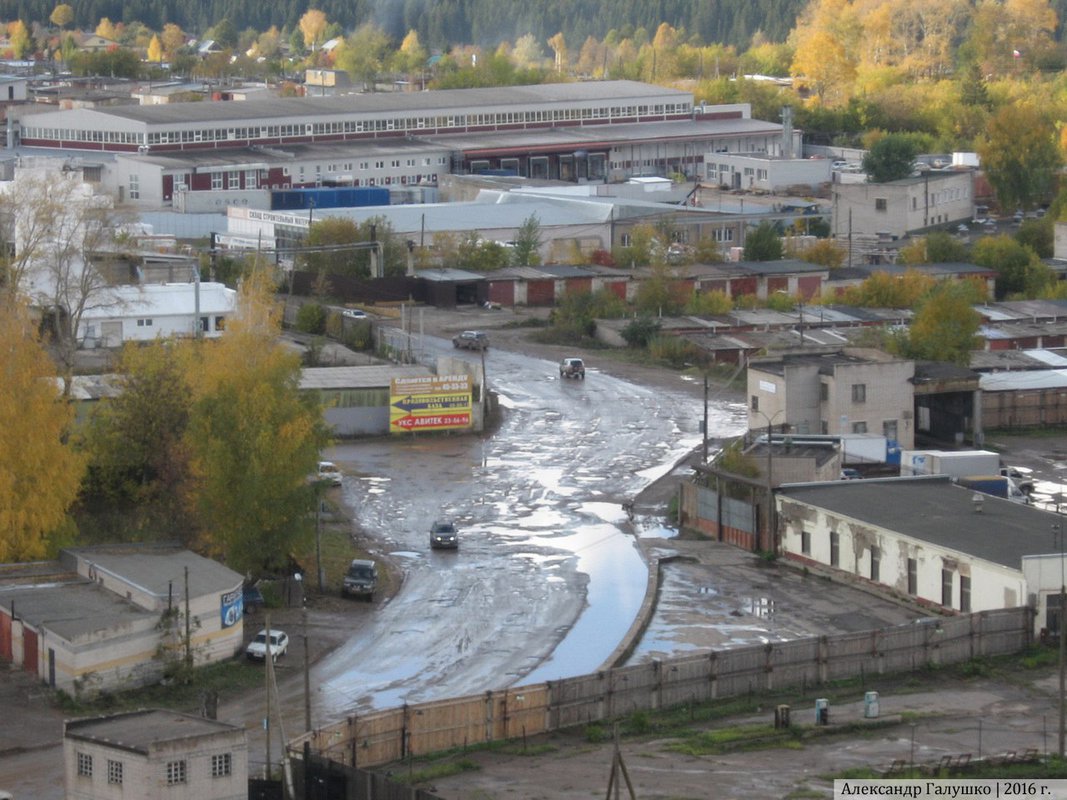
[{"x": 431, "y": 403}]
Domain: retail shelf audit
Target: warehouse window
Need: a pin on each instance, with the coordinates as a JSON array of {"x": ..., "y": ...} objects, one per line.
[
  {"x": 85, "y": 765},
  {"x": 114, "y": 772},
  {"x": 175, "y": 772}
]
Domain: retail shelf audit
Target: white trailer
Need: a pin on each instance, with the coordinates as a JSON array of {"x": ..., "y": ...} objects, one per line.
[{"x": 957, "y": 463}]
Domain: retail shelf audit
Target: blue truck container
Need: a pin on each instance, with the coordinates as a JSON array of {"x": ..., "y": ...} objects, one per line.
[{"x": 340, "y": 197}]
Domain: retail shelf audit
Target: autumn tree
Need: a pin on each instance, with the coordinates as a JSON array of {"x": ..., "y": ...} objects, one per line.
[
  {"x": 763, "y": 243},
  {"x": 40, "y": 472},
  {"x": 1020, "y": 155},
  {"x": 945, "y": 327},
  {"x": 62, "y": 15},
  {"x": 827, "y": 42},
  {"x": 884, "y": 290},
  {"x": 559, "y": 46},
  {"x": 1019, "y": 270},
  {"x": 936, "y": 247},
  {"x": 825, "y": 252},
  {"x": 19, "y": 38},
  {"x": 660, "y": 295},
  {"x": 155, "y": 51},
  {"x": 312, "y": 25},
  {"x": 411, "y": 57},
  {"x": 172, "y": 38},
  {"x": 363, "y": 54},
  {"x": 253, "y": 439}
]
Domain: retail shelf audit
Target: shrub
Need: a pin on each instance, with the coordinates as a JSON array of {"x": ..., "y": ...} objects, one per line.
[{"x": 311, "y": 318}]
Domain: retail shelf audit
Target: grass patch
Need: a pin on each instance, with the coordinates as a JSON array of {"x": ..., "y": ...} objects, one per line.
[
  {"x": 437, "y": 771},
  {"x": 226, "y": 678},
  {"x": 734, "y": 738}
]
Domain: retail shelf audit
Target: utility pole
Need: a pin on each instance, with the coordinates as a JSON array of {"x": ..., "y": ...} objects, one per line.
[
  {"x": 307, "y": 673},
  {"x": 266, "y": 719},
  {"x": 705, "y": 428},
  {"x": 189, "y": 643}
]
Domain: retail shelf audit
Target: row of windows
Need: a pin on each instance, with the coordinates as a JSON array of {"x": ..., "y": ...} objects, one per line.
[
  {"x": 354, "y": 126},
  {"x": 80, "y": 135},
  {"x": 176, "y": 771},
  {"x": 947, "y": 575}
]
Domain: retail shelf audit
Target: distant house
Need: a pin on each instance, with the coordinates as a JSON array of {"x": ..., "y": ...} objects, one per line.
[
  {"x": 95, "y": 44},
  {"x": 154, "y": 753}
]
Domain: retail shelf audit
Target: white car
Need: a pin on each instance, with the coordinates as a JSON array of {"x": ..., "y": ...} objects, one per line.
[
  {"x": 330, "y": 472},
  {"x": 354, "y": 313},
  {"x": 257, "y": 648}
]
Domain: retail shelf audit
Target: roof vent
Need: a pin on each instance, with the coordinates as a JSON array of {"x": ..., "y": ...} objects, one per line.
[{"x": 978, "y": 501}]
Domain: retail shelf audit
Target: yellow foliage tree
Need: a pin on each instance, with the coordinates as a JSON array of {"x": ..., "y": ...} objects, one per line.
[
  {"x": 106, "y": 29},
  {"x": 172, "y": 38},
  {"x": 827, "y": 40},
  {"x": 19, "y": 37},
  {"x": 40, "y": 473},
  {"x": 253, "y": 438},
  {"x": 155, "y": 50},
  {"x": 62, "y": 15},
  {"x": 313, "y": 26}
]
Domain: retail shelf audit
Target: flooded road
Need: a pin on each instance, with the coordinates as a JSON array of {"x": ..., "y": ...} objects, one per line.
[{"x": 545, "y": 582}]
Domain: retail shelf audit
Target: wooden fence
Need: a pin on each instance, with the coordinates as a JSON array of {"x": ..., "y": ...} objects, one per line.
[{"x": 389, "y": 735}]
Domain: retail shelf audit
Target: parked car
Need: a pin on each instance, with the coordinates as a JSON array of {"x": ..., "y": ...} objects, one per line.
[
  {"x": 361, "y": 579},
  {"x": 354, "y": 313},
  {"x": 258, "y": 648},
  {"x": 443, "y": 535},
  {"x": 252, "y": 598},
  {"x": 330, "y": 472},
  {"x": 572, "y": 368},
  {"x": 471, "y": 340},
  {"x": 838, "y": 164},
  {"x": 850, "y": 474}
]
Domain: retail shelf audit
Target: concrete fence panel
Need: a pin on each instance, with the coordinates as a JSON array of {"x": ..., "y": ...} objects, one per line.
[{"x": 386, "y": 736}]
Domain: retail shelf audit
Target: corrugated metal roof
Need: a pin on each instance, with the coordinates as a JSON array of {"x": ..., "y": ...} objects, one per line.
[
  {"x": 163, "y": 300},
  {"x": 421, "y": 103},
  {"x": 371, "y": 377},
  {"x": 1015, "y": 381}
]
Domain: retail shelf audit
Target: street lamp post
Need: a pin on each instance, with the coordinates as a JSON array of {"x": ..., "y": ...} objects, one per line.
[{"x": 770, "y": 485}]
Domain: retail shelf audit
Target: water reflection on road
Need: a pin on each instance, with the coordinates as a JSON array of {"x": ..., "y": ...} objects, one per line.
[{"x": 545, "y": 583}]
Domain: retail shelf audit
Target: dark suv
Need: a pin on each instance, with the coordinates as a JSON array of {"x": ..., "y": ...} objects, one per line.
[
  {"x": 443, "y": 535},
  {"x": 361, "y": 579}
]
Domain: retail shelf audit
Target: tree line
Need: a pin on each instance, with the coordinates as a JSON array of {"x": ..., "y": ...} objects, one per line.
[{"x": 442, "y": 23}]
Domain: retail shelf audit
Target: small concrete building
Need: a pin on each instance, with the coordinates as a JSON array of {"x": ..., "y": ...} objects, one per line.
[
  {"x": 848, "y": 390},
  {"x": 930, "y": 540},
  {"x": 146, "y": 312},
  {"x": 100, "y": 617},
  {"x": 900, "y": 208},
  {"x": 142, "y": 755}
]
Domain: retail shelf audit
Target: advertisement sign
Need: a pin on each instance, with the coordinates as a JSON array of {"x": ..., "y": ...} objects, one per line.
[
  {"x": 232, "y": 608},
  {"x": 430, "y": 403}
]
